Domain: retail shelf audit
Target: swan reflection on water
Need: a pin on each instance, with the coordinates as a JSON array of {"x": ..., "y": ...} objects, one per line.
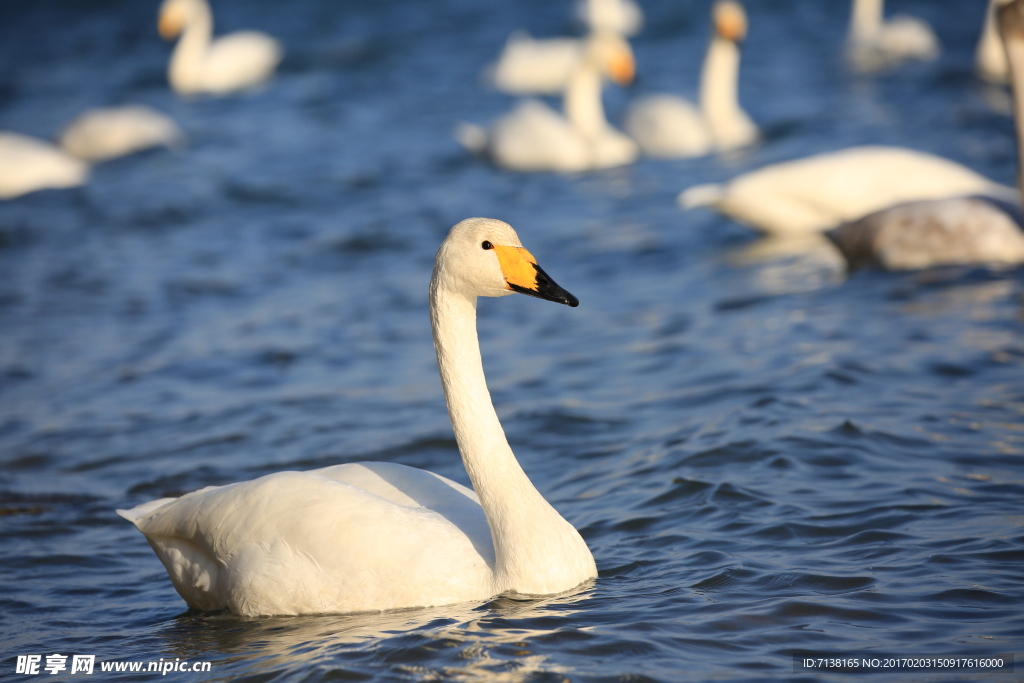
[{"x": 480, "y": 639}]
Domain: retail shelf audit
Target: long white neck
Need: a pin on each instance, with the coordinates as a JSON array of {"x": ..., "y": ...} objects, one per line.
[
  {"x": 866, "y": 19},
  {"x": 582, "y": 101},
  {"x": 536, "y": 551},
  {"x": 185, "y": 69},
  {"x": 719, "y": 101},
  {"x": 990, "y": 56},
  {"x": 1015, "y": 60}
]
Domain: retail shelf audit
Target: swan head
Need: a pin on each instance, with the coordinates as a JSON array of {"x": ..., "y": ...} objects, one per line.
[
  {"x": 612, "y": 56},
  {"x": 730, "y": 20},
  {"x": 484, "y": 257},
  {"x": 174, "y": 16}
]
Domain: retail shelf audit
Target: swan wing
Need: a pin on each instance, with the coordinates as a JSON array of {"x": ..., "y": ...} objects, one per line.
[
  {"x": 27, "y": 165},
  {"x": 529, "y": 66},
  {"x": 669, "y": 127},
  {"x": 240, "y": 60},
  {"x": 533, "y": 137},
  {"x": 307, "y": 542},
  {"x": 100, "y": 134}
]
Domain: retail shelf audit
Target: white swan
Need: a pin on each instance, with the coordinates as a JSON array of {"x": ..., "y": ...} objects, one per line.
[
  {"x": 376, "y": 536},
  {"x": 990, "y": 57},
  {"x": 230, "y": 63},
  {"x": 623, "y": 17},
  {"x": 543, "y": 66},
  {"x": 28, "y": 164},
  {"x": 959, "y": 230},
  {"x": 822, "y": 191},
  {"x": 100, "y": 134},
  {"x": 874, "y": 43},
  {"x": 533, "y": 137},
  {"x": 669, "y": 126}
]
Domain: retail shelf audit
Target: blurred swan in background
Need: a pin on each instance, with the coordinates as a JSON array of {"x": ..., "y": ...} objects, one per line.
[
  {"x": 874, "y": 43},
  {"x": 100, "y": 134},
  {"x": 533, "y": 137},
  {"x": 28, "y": 164},
  {"x": 543, "y": 66},
  {"x": 959, "y": 230},
  {"x": 200, "y": 65},
  {"x": 623, "y": 17},
  {"x": 820, "y": 192},
  {"x": 990, "y": 57},
  {"x": 669, "y": 126},
  {"x": 376, "y": 536}
]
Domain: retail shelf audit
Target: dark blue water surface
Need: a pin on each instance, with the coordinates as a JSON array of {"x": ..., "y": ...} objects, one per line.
[{"x": 765, "y": 455}]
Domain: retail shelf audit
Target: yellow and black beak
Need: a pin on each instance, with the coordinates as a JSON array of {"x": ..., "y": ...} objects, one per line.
[{"x": 523, "y": 275}]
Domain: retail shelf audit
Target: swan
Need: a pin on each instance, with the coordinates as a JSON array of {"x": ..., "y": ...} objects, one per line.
[
  {"x": 990, "y": 57},
  {"x": 874, "y": 44},
  {"x": 623, "y": 17},
  {"x": 28, "y": 164},
  {"x": 100, "y": 134},
  {"x": 820, "y": 192},
  {"x": 543, "y": 66},
  {"x": 533, "y": 137},
  {"x": 952, "y": 231},
  {"x": 198, "y": 65},
  {"x": 375, "y": 536},
  {"x": 669, "y": 126}
]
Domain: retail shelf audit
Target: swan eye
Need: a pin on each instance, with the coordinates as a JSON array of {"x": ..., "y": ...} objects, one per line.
[{"x": 486, "y": 245}]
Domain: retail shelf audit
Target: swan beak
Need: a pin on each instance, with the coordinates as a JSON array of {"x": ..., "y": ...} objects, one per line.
[
  {"x": 170, "y": 25},
  {"x": 523, "y": 275},
  {"x": 622, "y": 68}
]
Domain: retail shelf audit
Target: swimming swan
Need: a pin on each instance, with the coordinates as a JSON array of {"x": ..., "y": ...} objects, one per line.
[
  {"x": 533, "y": 137},
  {"x": 28, "y": 164},
  {"x": 376, "y": 536},
  {"x": 990, "y": 57},
  {"x": 100, "y": 134},
  {"x": 543, "y": 66},
  {"x": 874, "y": 44},
  {"x": 959, "y": 230},
  {"x": 820, "y": 192},
  {"x": 669, "y": 126},
  {"x": 230, "y": 63}
]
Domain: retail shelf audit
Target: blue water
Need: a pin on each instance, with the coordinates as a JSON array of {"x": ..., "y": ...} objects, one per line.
[{"x": 765, "y": 455}]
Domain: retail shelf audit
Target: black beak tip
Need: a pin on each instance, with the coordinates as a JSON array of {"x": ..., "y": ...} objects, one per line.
[{"x": 571, "y": 301}]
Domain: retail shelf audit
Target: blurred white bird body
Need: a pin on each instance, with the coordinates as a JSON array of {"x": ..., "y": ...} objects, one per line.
[
  {"x": 107, "y": 133},
  {"x": 28, "y": 164},
  {"x": 376, "y": 536},
  {"x": 953, "y": 231},
  {"x": 820, "y": 192},
  {"x": 669, "y": 126},
  {"x": 200, "y": 64},
  {"x": 533, "y": 137},
  {"x": 990, "y": 58},
  {"x": 543, "y": 66},
  {"x": 875, "y": 43}
]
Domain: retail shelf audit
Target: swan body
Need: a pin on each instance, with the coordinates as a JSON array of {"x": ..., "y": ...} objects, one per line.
[
  {"x": 28, "y": 164},
  {"x": 199, "y": 64},
  {"x": 669, "y": 126},
  {"x": 622, "y": 17},
  {"x": 822, "y": 191},
  {"x": 533, "y": 137},
  {"x": 529, "y": 65},
  {"x": 875, "y": 43},
  {"x": 376, "y": 536},
  {"x": 990, "y": 57},
  {"x": 953, "y": 231},
  {"x": 101, "y": 134}
]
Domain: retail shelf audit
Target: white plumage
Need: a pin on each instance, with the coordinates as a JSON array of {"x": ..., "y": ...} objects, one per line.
[
  {"x": 28, "y": 164},
  {"x": 875, "y": 43},
  {"x": 377, "y": 536},
  {"x": 100, "y": 134}
]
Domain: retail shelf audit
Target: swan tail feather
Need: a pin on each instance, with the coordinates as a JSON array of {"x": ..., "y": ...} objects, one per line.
[
  {"x": 472, "y": 137},
  {"x": 701, "y": 195},
  {"x": 140, "y": 511}
]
